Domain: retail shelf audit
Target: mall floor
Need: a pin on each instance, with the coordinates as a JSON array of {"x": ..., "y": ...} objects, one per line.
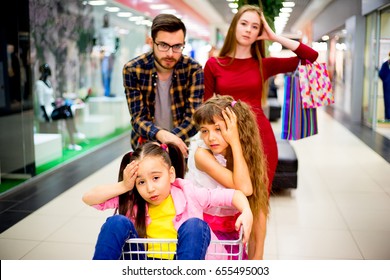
[{"x": 340, "y": 210}]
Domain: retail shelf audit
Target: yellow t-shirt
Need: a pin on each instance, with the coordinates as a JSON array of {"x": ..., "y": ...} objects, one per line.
[{"x": 161, "y": 226}]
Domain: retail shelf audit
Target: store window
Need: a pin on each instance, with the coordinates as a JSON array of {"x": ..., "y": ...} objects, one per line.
[
  {"x": 338, "y": 68},
  {"x": 62, "y": 63},
  {"x": 383, "y": 101},
  {"x": 376, "y": 53}
]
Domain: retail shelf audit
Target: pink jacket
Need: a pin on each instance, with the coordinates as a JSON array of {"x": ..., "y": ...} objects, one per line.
[{"x": 189, "y": 202}]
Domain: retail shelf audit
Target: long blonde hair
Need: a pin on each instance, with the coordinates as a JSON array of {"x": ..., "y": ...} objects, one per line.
[
  {"x": 257, "y": 48},
  {"x": 252, "y": 146}
]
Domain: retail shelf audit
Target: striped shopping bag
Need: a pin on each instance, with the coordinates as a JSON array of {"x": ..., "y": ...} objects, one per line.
[{"x": 297, "y": 122}]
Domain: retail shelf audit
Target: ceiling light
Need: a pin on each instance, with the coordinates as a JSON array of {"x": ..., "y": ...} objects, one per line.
[
  {"x": 286, "y": 10},
  {"x": 233, "y": 5},
  {"x": 146, "y": 22},
  {"x": 169, "y": 11},
  {"x": 97, "y": 3},
  {"x": 281, "y": 19},
  {"x": 288, "y": 4},
  {"x": 123, "y": 31},
  {"x": 284, "y": 15},
  {"x": 136, "y": 18},
  {"x": 124, "y": 14},
  {"x": 159, "y": 6},
  {"x": 325, "y": 38},
  {"x": 112, "y": 9}
]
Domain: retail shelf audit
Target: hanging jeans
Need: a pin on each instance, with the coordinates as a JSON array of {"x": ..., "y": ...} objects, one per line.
[
  {"x": 107, "y": 67},
  {"x": 193, "y": 239}
]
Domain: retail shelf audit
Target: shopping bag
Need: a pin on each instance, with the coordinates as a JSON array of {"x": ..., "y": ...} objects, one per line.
[
  {"x": 62, "y": 112},
  {"x": 315, "y": 85},
  {"x": 297, "y": 122}
]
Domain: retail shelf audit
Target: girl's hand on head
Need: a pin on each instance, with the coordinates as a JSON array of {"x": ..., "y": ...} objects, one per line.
[
  {"x": 267, "y": 33},
  {"x": 130, "y": 175},
  {"x": 230, "y": 133}
]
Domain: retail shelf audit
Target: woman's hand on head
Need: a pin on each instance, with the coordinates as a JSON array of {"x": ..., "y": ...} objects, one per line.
[
  {"x": 130, "y": 175},
  {"x": 230, "y": 132},
  {"x": 267, "y": 33}
]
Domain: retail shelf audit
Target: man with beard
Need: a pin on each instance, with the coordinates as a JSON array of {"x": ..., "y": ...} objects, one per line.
[{"x": 163, "y": 87}]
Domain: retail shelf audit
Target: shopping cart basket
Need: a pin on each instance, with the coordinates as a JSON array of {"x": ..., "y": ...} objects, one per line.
[{"x": 151, "y": 249}]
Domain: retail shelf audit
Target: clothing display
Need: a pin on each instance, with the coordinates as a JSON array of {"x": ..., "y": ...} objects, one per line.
[
  {"x": 242, "y": 80},
  {"x": 45, "y": 97},
  {"x": 108, "y": 41},
  {"x": 51, "y": 110}
]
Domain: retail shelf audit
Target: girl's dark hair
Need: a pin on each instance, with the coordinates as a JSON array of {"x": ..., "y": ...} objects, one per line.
[
  {"x": 131, "y": 202},
  {"x": 168, "y": 23}
]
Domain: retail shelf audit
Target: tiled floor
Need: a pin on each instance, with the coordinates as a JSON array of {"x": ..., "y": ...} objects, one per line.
[{"x": 340, "y": 210}]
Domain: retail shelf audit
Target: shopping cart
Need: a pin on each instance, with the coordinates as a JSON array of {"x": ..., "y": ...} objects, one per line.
[{"x": 157, "y": 249}]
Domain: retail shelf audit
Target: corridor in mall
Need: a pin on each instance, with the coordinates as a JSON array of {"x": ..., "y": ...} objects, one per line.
[{"x": 340, "y": 210}]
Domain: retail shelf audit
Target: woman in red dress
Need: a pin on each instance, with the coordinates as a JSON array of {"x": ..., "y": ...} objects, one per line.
[{"x": 240, "y": 70}]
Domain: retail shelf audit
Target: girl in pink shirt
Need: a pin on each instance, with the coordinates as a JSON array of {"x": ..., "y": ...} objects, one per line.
[{"x": 149, "y": 181}]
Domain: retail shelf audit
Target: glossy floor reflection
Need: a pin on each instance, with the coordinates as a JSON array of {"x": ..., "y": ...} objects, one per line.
[{"x": 340, "y": 210}]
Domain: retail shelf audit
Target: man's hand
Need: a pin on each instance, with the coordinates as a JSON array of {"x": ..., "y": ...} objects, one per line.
[{"x": 167, "y": 137}]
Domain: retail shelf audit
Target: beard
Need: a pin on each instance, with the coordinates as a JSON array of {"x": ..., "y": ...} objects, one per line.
[{"x": 165, "y": 63}]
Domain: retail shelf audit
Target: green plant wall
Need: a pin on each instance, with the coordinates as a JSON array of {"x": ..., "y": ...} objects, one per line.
[{"x": 271, "y": 8}]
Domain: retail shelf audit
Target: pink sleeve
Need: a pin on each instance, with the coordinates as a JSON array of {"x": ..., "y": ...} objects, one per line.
[
  {"x": 221, "y": 197},
  {"x": 112, "y": 203},
  {"x": 212, "y": 197}
]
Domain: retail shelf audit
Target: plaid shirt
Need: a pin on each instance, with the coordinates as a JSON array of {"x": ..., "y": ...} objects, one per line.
[{"x": 186, "y": 92}]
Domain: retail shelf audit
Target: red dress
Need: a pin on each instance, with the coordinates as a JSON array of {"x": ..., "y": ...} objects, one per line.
[{"x": 242, "y": 81}]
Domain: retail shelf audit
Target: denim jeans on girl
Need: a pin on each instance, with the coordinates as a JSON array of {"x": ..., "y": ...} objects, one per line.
[{"x": 193, "y": 239}]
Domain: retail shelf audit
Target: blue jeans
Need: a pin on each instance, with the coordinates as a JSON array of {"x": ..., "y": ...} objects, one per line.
[
  {"x": 107, "y": 67},
  {"x": 193, "y": 239}
]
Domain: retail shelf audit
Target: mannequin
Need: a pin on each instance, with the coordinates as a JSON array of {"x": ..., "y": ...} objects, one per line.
[
  {"x": 108, "y": 41},
  {"x": 47, "y": 105}
]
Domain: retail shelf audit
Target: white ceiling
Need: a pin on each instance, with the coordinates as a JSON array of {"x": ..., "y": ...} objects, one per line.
[
  {"x": 303, "y": 12},
  {"x": 218, "y": 14}
]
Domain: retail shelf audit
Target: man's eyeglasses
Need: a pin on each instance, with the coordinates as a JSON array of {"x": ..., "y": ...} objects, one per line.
[{"x": 164, "y": 47}]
